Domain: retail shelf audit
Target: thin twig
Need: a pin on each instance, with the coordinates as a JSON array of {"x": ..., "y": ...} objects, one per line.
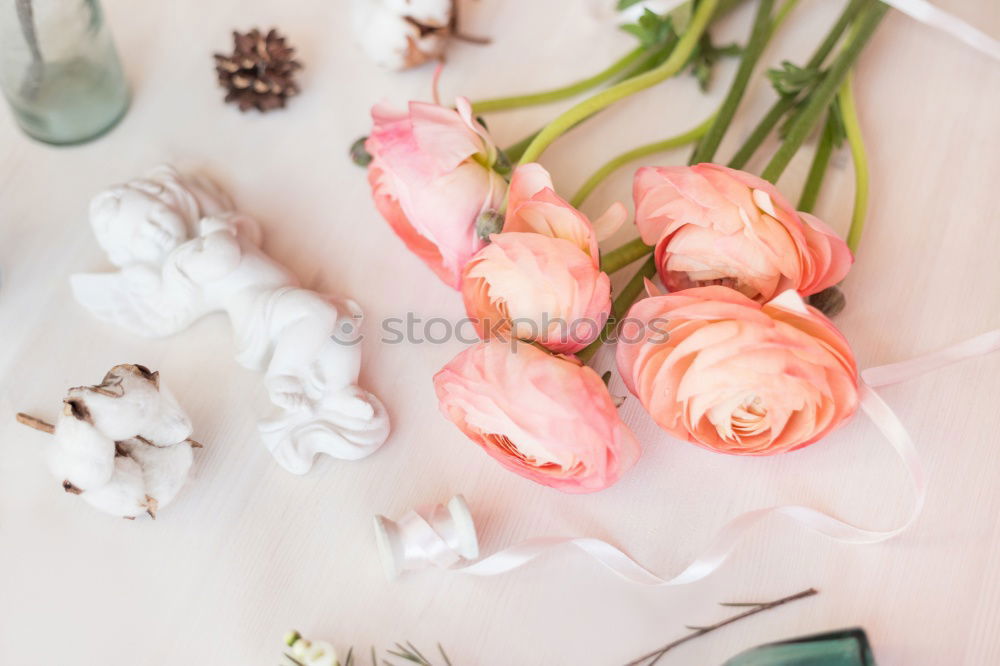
[
  {"x": 37, "y": 424},
  {"x": 656, "y": 655}
]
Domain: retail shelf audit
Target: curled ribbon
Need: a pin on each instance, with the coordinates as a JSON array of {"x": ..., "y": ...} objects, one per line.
[{"x": 440, "y": 536}]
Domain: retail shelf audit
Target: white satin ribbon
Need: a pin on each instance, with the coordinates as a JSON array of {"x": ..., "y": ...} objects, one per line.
[
  {"x": 920, "y": 10},
  {"x": 935, "y": 17},
  {"x": 901, "y": 372},
  {"x": 817, "y": 521},
  {"x": 428, "y": 540}
]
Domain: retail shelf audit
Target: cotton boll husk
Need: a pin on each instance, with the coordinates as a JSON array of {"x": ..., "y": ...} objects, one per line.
[
  {"x": 164, "y": 468},
  {"x": 124, "y": 495},
  {"x": 78, "y": 453}
]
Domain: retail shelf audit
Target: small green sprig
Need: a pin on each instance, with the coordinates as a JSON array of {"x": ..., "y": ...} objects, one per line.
[
  {"x": 410, "y": 653},
  {"x": 707, "y": 55},
  {"x": 790, "y": 79},
  {"x": 651, "y": 29},
  {"x": 651, "y": 658},
  {"x": 406, "y": 651}
]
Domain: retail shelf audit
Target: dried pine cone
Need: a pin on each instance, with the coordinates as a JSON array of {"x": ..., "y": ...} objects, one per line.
[{"x": 261, "y": 71}]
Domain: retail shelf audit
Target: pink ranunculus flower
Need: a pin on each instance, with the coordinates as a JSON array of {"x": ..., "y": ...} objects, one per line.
[
  {"x": 537, "y": 288},
  {"x": 431, "y": 176},
  {"x": 718, "y": 369},
  {"x": 534, "y": 206},
  {"x": 546, "y": 418},
  {"x": 715, "y": 225}
]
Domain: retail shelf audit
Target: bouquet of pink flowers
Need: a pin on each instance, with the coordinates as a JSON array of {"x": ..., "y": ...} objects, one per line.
[{"x": 732, "y": 356}]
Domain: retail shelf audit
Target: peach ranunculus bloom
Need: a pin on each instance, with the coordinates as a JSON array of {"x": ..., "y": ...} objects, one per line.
[
  {"x": 431, "y": 176},
  {"x": 715, "y": 225},
  {"x": 720, "y": 370},
  {"x": 539, "y": 279},
  {"x": 534, "y": 206},
  {"x": 544, "y": 417},
  {"x": 537, "y": 288}
]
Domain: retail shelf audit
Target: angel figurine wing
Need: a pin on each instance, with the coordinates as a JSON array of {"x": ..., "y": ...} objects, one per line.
[{"x": 141, "y": 300}]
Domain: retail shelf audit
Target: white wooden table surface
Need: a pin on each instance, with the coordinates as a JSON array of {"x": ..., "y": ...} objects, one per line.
[{"x": 248, "y": 550}]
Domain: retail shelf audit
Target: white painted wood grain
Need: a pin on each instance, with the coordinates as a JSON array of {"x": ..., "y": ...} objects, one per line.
[{"x": 248, "y": 550}]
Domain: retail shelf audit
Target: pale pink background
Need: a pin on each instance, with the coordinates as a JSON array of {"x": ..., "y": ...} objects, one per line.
[{"x": 248, "y": 550}]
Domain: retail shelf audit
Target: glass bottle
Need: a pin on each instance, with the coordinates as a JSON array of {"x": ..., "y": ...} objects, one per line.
[{"x": 59, "y": 69}]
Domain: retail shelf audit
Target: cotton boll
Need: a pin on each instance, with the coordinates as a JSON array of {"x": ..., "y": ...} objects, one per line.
[
  {"x": 123, "y": 445},
  {"x": 436, "y": 13},
  {"x": 131, "y": 402},
  {"x": 164, "y": 468},
  {"x": 169, "y": 424},
  {"x": 78, "y": 453},
  {"x": 124, "y": 494},
  {"x": 398, "y": 35}
]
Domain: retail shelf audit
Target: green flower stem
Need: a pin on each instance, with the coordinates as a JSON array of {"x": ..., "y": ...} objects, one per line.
[
  {"x": 823, "y": 95},
  {"x": 856, "y": 142},
  {"x": 622, "y": 66},
  {"x": 673, "y": 64},
  {"x": 760, "y": 132},
  {"x": 653, "y": 58},
  {"x": 642, "y": 151},
  {"x": 783, "y": 13},
  {"x": 715, "y": 126},
  {"x": 786, "y": 102},
  {"x": 821, "y": 160},
  {"x": 620, "y": 307},
  {"x": 759, "y": 36},
  {"x": 622, "y": 256},
  {"x": 515, "y": 151},
  {"x": 556, "y": 94}
]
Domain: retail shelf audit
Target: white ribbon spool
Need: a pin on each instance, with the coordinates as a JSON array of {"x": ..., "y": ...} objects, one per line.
[{"x": 438, "y": 535}]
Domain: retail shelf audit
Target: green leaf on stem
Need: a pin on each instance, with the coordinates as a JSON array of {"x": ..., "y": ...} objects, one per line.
[
  {"x": 790, "y": 79},
  {"x": 705, "y": 57},
  {"x": 625, "y": 4},
  {"x": 839, "y": 134},
  {"x": 839, "y": 131},
  {"x": 651, "y": 29}
]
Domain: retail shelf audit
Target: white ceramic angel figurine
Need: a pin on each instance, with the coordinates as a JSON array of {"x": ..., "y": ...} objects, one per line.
[{"x": 305, "y": 344}]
